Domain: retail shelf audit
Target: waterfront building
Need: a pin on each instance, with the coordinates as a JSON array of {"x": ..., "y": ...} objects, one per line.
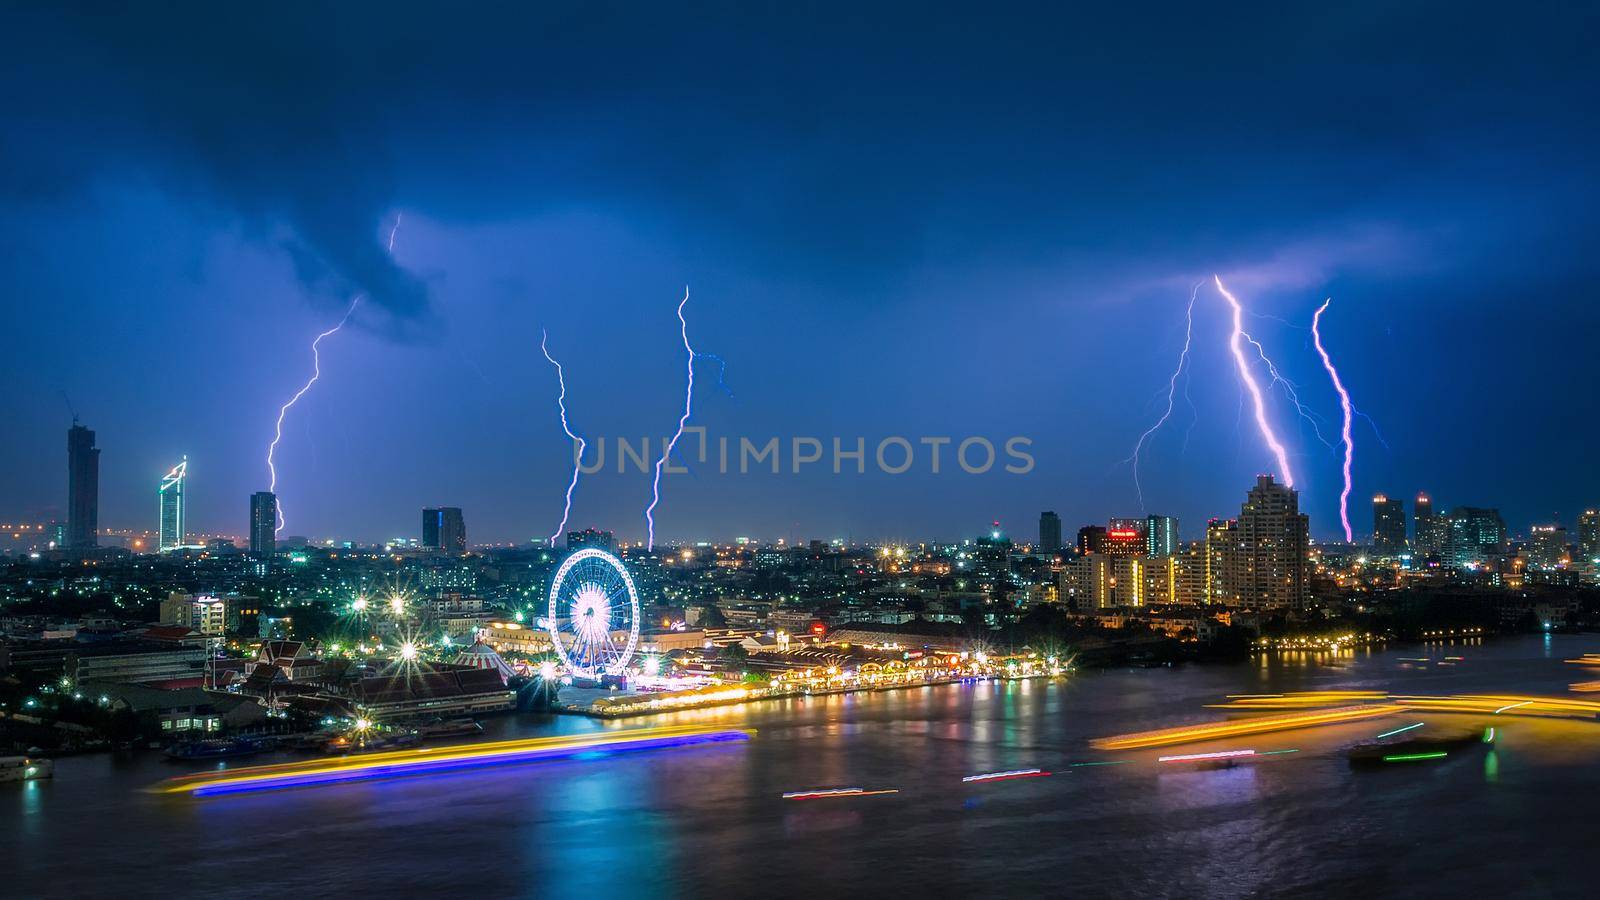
[
  {"x": 170, "y": 501},
  {"x": 1049, "y": 532},
  {"x": 1223, "y": 570},
  {"x": 83, "y": 488},
  {"x": 1274, "y": 539},
  {"x": 1547, "y": 547},
  {"x": 263, "y": 524},
  {"x": 1388, "y": 524}
]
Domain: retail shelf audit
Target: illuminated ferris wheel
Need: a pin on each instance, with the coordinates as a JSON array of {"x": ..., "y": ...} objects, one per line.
[{"x": 594, "y": 614}]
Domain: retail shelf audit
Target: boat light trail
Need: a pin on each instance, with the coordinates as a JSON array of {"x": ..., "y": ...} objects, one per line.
[
  {"x": 1415, "y": 757},
  {"x": 666, "y": 452},
  {"x": 1189, "y": 734},
  {"x": 1513, "y": 706},
  {"x": 1172, "y": 388},
  {"x": 1347, "y": 409},
  {"x": 1006, "y": 776},
  {"x": 1235, "y": 345},
  {"x": 1194, "y": 757},
  {"x": 1401, "y": 730},
  {"x": 1488, "y": 735},
  {"x": 835, "y": 792},
  {"x": 578, "y": 442},
  {"x": 437, "y": 759}
]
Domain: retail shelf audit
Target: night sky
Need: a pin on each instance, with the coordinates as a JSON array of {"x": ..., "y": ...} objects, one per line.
[{"x": 891, "y": 223}]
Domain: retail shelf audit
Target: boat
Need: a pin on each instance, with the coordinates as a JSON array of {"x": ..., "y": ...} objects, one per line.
[
  {"x": 25, "y": 768},
  {"x": 218, "y": 748},
  {"x": 371, "y": 742},
  {"x": 451, "y": 728},
  {"x": 1418, "y": 747}
]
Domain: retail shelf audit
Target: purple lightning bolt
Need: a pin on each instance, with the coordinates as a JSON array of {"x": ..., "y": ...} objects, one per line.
[
  {"x": 688, "y": 407},
  {"x": 1236, "y": 345},
  {"x": 1172, "y": 389},
  {"x": 277, "y": 434},
  {"x": 1289, "y": 390},
  {"x": 316, "y": 373},
  {"x": 577, "y": 458},
  {"x": 1349, "y": 414}
]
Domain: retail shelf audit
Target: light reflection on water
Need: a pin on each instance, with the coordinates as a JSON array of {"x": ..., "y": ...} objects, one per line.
[{"x": 708, "y": 820}]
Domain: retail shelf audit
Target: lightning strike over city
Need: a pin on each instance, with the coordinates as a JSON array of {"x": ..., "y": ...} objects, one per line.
[
  {"x": 666, "y": 451},
  {"x": 578, "y": 443},
  {"x": 1345, "y": 437},
  {"x": 1172, "y": 388},
  {"x": 904, "y": 630},
  {"x": 277, "y": 429},
  {"x": 1258, "y": 401}
]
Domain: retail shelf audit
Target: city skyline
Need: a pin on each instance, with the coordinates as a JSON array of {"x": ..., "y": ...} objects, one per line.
[{"x": 840, "y": 296}]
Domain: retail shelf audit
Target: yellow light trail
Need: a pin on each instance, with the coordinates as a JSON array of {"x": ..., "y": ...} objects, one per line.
[
  {"x": 416, "y": 761},
  {"x": 1298, "y": 700},
  {"x": 1189, "y": 734}
]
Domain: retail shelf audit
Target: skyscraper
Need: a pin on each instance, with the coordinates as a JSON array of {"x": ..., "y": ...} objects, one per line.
[
  {"x": 444, "y": 528},
  {"x": 1589, "y": 537},
  {"x": 1049, "y": 532},
  {"x": 1428, "y": 534},
  {"x": 169, "y": 498},
  {"x": 83, "y": 488},
  {"x": 1273, "y": 536},
  {"x": 1475, "y": 535},
  {"x": 1160, "y": 535},
  {"x": 1124, "y": 537},
  {"x": 1388, "y": 524},
  {"x": 263, "y": 524}
]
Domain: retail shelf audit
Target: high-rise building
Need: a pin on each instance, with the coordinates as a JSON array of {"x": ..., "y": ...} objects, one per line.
[
  {"x": 1589, "y": 537},
  {"x": 1160, "y": 535},
  {"x": 263, "y": 524},
  {"x": 1124, "y": 537},
  {"x": 170, "y": 501},
  {"x": 202, "y": 612},
  {"x": 1274, "y": 538},
  {"x": 589, "y": 537},
  {"x": 1049, "y": 532},
  {"x": 1476, "y": 535},
  {"x": 83, "y": 488},
  {"x": 1092, "y": 539},
  {"x": 1223, "y": 570},
  {"x": 445, "y": 529},
  {"x": 1547, "y": 546},
  {"x": 1388, "y": 524},
  {"x": 1428, "y": 534}
]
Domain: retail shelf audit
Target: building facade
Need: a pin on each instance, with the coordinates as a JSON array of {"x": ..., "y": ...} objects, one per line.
[
  {"x": 1049, "y": 532},
  {"x": 1388, "y": 524},
  {"x": 83, "y": 488},
  {"x": 444, "y": 528},
  {"x": 263, "y": 524},
  {"x": 170, "y": 501},
  {"x": 1160, "y": 535},
  {"x": 1272, "y": 568}
]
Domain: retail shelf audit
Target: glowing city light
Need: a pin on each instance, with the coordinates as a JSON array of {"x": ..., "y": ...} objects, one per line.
[
  {"x": 666, "y": 452},
  {"x": 1235, "y": 345},
  {"x": 1415, "y": 757},
  {"x": 1006, "y": 776},
  {"x": 359, "y": 604},
  {"x": 1172, "y": 388},
  {"x": 1193, "y": 757},
  {"x": 834, "y": 793},
  {"x": 1348, "y": 415},
  {"x": 437, "y": 759},
  {"x": 1401, "y": 730},
  {"x": 1189, "y": 734},
  {"x": 579, "y": 443},
  {"x": 408, "y": 651}
]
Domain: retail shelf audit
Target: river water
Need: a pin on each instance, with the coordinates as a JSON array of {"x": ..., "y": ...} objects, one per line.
[{"x": 710, "y": 821}]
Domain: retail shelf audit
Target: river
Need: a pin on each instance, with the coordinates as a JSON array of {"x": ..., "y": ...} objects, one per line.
[{"x": 710, "y": 821}]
